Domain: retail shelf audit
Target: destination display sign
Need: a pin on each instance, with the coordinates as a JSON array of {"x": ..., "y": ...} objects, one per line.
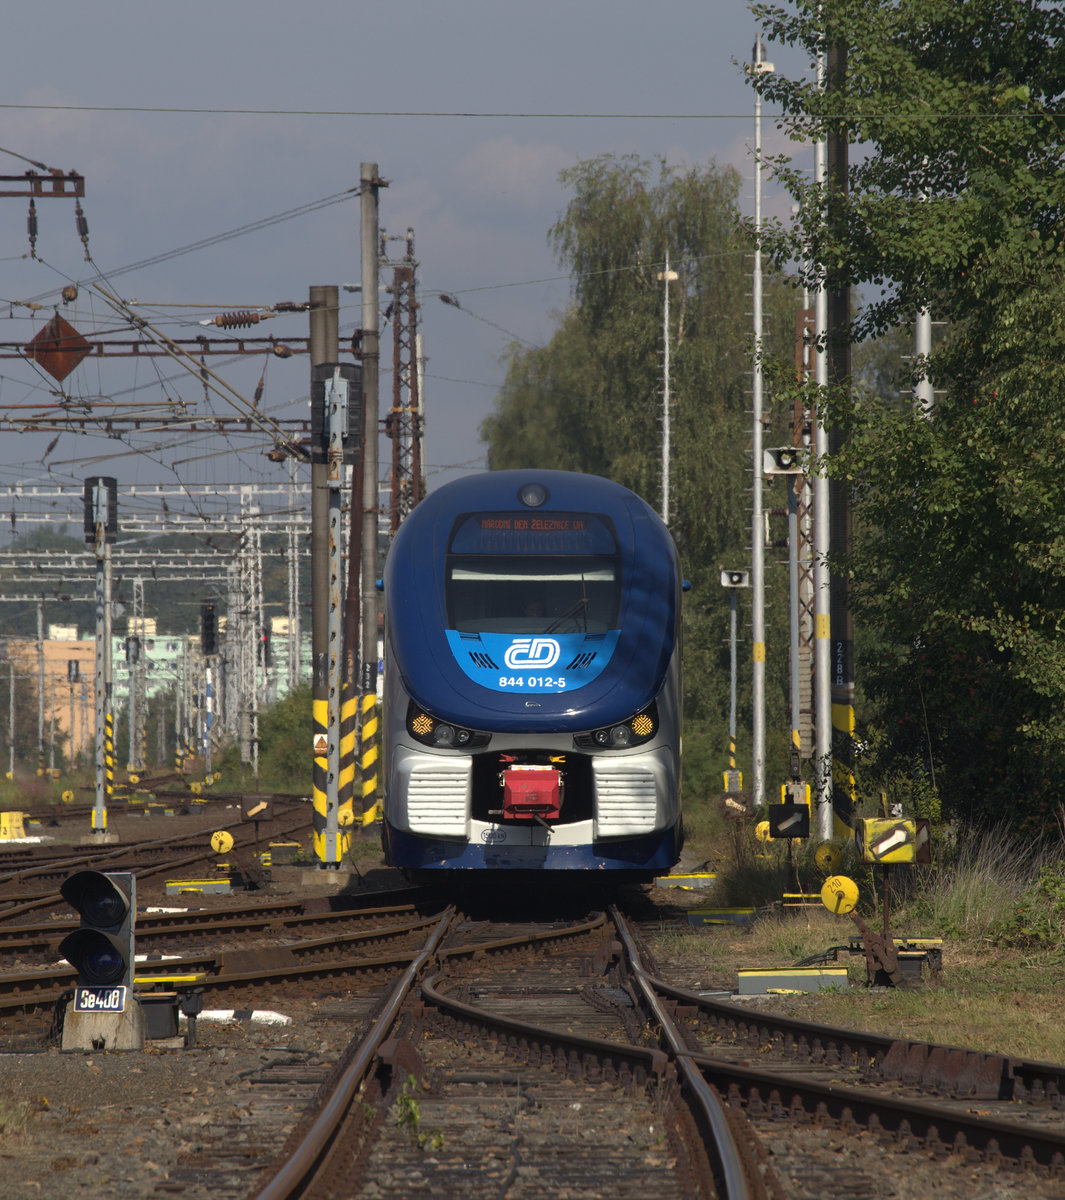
[{"x": 540, "y": 533}]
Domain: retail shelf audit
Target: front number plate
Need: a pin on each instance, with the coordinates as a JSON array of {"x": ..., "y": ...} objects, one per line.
[{"x": 100, "y": 999}]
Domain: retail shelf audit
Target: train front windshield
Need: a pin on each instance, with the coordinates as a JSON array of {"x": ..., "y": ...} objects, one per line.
[{"x": 510, "y": 573}]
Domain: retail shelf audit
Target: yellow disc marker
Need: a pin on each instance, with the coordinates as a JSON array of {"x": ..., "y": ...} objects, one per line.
[
  {"x": 345, "y": 815},
  {"x": 195, "y": 787},
  {"x": 839, "y": 894},
  {"x": 68, "y": 797},
  {"x": 761, "y": 831},
  {"x": 221, "y": 842},
  {"x": 828, "y": 857}
]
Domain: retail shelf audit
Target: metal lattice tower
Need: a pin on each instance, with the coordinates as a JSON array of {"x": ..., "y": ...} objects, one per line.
[
  {"x": 404, "y": 422},
  {"x": 803, "y": 438},
  {"x": 137, "y": 699}
]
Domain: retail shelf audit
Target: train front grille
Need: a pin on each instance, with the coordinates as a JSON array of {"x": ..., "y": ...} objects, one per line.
[
  {"x": 438, "y": 797},
  {"x": 626, "y": 799}
]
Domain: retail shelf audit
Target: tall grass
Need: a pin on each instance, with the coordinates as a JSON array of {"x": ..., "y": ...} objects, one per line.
[{"x": 985, "y": 882}]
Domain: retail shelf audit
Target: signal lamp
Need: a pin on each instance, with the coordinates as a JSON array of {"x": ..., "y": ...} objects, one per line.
[{"x": 101, "y": 950}]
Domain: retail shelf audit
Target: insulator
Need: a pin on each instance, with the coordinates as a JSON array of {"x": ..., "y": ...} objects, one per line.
[
  {"x": 282, "y": 351},
  {"x": 233, "y": 320},
  {"x": 259, "y": 391},
  {"x": 83, "y": 228},
  {"x": 70, "y": 293},
  {"x": 31, "y": 226}
]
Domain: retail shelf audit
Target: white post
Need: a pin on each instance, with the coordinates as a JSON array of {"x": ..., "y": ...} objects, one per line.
[
  {"x": 665, "y": 276},
  {"x": 922, "y": 348},
  {"x": 759, "y": 66},
  {"x": 822, "y": 609}
]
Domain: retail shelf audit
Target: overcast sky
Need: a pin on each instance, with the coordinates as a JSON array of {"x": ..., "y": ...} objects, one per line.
[{"x": 469, "y": 108}]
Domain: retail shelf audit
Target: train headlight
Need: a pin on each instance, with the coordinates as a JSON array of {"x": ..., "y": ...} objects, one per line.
[
  {"x": 430, "y": 732},
  {"x": 633, "y": 732}
]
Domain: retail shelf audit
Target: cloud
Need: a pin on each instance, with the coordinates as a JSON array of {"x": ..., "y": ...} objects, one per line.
[{"x": 522, "y": 174}]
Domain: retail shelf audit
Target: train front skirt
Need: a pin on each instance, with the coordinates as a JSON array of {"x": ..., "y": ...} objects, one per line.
[{"x": 531, "y": 848}]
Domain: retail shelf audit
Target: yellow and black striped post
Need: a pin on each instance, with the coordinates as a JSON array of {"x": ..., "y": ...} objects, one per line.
[
  {"x": 368, "y": 758},
  {"x": 349, "y": 712},
  {"x": 99, "y": 815},
  {"x": 320, "y": 733}
]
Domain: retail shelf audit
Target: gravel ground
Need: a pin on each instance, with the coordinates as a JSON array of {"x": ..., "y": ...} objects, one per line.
[{"x": 127, "y": 1126}]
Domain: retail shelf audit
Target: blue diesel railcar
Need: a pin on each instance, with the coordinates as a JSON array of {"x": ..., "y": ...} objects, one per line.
[{"x": 532, "y": 680}]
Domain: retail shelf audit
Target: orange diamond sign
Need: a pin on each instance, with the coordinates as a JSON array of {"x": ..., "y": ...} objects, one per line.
[{"x": 58, "y": 348}]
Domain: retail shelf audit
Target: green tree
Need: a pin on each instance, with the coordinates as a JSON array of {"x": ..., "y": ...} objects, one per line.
[
  {"x": 284, "y": 762},
  {"x": 591, "y": 400},
  {"x": 954, "y": 199}
]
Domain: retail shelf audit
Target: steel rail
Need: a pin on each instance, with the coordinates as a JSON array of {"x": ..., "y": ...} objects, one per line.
[
  {"x": 733, "y": 1179},
  {"x": 315, "y": 1143},
  {"x": 32, "y": 990},
  {"x": 951, "y": 1069},
  {"x": 934, "y": 1123},
  {"x": 44, "y": 937},
  {"x": 644, "y": 1058}
]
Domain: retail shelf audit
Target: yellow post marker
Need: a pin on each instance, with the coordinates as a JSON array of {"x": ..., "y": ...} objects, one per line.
[
  {"x": 828, "y": 857},
  {"x": 222, "y": 841},
  {"x": 839, "y": 895}
]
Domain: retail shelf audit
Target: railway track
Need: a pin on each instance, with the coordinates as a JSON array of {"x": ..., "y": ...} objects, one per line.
[
  {"x": 33, "y": 885},
  {"x": 485, "y": 1055}
]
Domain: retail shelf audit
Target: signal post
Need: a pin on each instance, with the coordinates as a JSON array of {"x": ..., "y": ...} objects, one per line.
[
  {"x": 101, "y": 529},
  {"x": 104, "y": 1014}
]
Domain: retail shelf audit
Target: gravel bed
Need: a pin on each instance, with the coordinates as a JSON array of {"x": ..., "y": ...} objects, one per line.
[{"x": 156, "y": 1123}]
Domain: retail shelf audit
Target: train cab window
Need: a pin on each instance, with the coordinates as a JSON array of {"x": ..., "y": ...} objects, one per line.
[
  {"x": 521, "y": 595},
  {"x": 555, "y": 573}
]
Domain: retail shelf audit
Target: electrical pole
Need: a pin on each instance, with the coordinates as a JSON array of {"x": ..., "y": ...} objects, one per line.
[
  {"x": 757, "y": 519},
  {"x": 40, "y": 686},
  {"x": 923, "y": 394},
  {"x": 101, "y": 528},
  {"x": 370, "y": 183},
  {"x": 403, "y": 422},
  {"x": 293, "y": 590},
  {"x": 821, "y": 499},
  {"x": 325, "y": 598},
  {"x": 839, "y": 372},
  {"x": 667, "y": 276}
]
